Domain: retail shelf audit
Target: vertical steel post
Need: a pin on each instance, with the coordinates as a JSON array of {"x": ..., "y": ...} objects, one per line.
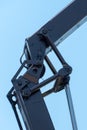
[{"x": 71, "y": 107}]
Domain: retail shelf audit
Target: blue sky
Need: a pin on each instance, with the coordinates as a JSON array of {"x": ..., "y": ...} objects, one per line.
[{"x": 20, "y": 19}]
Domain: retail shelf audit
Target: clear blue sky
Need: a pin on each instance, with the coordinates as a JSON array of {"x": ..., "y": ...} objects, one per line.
[{"x": 20, "y": 19}]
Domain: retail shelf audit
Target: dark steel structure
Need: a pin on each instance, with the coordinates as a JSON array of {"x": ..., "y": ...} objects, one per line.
[{"x": 26, "y": 88}]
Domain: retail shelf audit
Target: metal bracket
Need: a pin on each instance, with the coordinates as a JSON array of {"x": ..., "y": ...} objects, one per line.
[
  {"x": 63, "y": 80},
  {"x": 10, "y": 96}
]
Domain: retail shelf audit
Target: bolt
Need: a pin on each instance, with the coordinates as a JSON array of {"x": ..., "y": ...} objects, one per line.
[
  {"x": 25, "y": 93},
  {"x": 19, "y": 83},
  {"x": 44, "y": 31}
]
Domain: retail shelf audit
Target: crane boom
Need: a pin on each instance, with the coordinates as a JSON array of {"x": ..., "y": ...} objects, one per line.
[
  {"x": 64, "y": 23},
  {"x": 26, "y": 88}
]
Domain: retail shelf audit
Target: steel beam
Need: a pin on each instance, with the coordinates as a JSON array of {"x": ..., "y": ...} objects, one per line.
[{"x": 63, "y": 24}]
